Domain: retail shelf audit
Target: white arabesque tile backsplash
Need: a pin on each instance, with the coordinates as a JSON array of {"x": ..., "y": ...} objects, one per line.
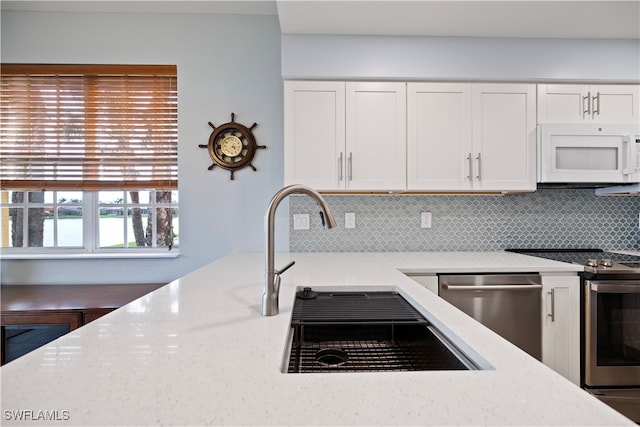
[{"x": 547, "y": 218}]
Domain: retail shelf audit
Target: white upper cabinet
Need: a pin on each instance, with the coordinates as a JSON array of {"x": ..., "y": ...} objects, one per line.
[
  {"x": 314, "y": 134},
  {"x": 504, "y": 137},
  {"x": 471, "y": 137},
  {"x": 345, "y": 136},
  {"x": 571, "y": 103},
  {"x": 375, "y": 149},
  {"x": 439, "y": 143}
]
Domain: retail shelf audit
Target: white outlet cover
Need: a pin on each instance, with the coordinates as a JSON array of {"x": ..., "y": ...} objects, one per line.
[{"x": 349, "y": 220}]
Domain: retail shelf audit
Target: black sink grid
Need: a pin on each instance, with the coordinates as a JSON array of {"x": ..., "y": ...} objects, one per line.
[{"x": 365, "y": 332}]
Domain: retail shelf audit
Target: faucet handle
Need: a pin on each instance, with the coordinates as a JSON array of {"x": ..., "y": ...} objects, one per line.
[
  {"x": 285, "y": 268},
  {"x": 276, "y": 277}
]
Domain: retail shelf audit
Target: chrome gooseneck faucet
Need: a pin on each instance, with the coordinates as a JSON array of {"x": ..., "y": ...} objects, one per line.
[{"x": 272, "y": 276}]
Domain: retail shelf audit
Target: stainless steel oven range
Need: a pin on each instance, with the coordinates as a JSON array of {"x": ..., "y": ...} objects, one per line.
[{"x": 610, "y": 324}]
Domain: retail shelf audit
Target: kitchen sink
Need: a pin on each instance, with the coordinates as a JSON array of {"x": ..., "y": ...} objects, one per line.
[{"x": 366, "y": 332}]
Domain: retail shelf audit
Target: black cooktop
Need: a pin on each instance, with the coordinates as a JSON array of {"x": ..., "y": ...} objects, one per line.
[
  {"x": 594, "y": 260},
  {"x": 578, "y": 256}
]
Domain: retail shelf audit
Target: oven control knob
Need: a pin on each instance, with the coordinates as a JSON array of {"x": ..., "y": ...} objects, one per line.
[
  {"x": 606, "y": 262},
  {"x": 592, "y": 262}
]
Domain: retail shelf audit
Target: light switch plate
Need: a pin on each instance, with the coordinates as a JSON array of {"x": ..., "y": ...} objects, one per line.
[
  {"x": 300, "y": 221},
  {"x": 425, "y": 220}
]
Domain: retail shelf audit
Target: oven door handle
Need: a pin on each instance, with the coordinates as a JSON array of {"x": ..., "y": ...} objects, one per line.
[{"x": 617, "y": 288}]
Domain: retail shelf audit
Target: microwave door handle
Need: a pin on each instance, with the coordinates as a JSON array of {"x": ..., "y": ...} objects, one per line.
[
  {"x": 631, "y": 154},
  {"x": 636, "y": 140}
]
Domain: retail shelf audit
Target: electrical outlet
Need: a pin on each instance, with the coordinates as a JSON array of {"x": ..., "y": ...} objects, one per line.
[
  {"x": 350, "y": 220},
  {"x": 300, "y": 221},
  {"x": 425, "y": 220}
]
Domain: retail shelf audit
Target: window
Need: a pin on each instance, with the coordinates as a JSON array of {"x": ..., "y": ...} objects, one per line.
[
  {"x": 88, "y": 158},
  {"x": 119, "y": 219}
]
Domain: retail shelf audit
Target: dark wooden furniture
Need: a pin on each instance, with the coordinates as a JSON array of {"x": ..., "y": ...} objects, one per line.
[{"x": 68, "y": 305}]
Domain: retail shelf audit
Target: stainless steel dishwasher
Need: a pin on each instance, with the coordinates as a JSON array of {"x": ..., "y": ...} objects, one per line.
[{"x": 508, "y": 304}]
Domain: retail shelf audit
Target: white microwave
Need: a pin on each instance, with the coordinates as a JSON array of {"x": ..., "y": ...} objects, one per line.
[{"x": 588, "y": 153}]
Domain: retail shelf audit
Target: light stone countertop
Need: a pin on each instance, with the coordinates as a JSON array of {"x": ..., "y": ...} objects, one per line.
[
  {"x": 198, "y": 352},
  {"x": 635, "y": 253}
]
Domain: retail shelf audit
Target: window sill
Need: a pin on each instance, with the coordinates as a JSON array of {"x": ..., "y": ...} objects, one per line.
[{"x": 83, "y": 255}]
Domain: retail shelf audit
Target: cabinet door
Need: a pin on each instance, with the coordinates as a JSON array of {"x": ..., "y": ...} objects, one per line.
[
  {"x": 504, "y": 137},
  {"x": 588, "y": 104},
  {"x": 439, "y": 146},
  {"x": 376, "y": 136},
  {"x": 615, "y": 103},
  {"x": 314, "y": 134},
  {"x": 559, "y": 103},
  {"x": 561, "y": 325}
]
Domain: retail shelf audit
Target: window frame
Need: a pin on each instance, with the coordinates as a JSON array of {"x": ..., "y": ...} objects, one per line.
[{"x": 91, "y": 232}]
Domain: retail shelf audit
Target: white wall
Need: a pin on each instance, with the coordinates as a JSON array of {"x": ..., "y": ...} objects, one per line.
[
  {"x": 225, "y": 64},
  {"x": 459, "y": 58}
]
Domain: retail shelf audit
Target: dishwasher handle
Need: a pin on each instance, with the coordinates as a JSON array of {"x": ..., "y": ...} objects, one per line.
[{"x": 490, "y": 287}]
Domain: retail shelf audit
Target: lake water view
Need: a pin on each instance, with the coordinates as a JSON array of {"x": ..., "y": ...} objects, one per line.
[{"x": 111, "y": 231}]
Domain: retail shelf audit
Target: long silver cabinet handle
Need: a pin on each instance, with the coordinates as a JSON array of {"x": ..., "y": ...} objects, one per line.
[
  {"x": 587, "y": 111},
  {"x": 340, "y": 175},
  {"x": 479, "y": 176},
  {"x": 491, "y": 287},
  {"x": 350, "y": 166},
  {"x": 552, "y": 292},
  {"x": 596, "y": 110},
  {"x": 470, "y": 164}
]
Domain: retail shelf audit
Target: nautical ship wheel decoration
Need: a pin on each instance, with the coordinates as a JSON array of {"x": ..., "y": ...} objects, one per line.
[{"x": 232, "y": 146}]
